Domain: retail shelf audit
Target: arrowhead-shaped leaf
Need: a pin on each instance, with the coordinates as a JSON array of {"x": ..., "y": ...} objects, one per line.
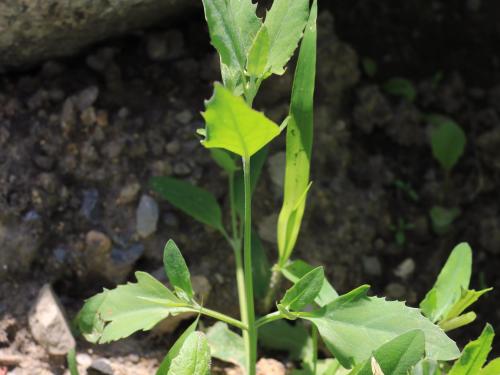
[
  {"x": 370, "y": 322},
  {"x": 304, "y": 291},
  {"x": 285, "y": 23},
  {"x": 194, "y": 201},
  {"x": 226, "y": 345},
  {"x": 129, "y": 308},
  {"x": 474, "y": 354},
  {"x": 175, "y": 349},
  {"x": 452, "y": 280},
  {"x": 176, "y": 269},
  {"x": 397, "y": 356},
  {"x": 232, "y": 125},
  {"x": 193, "y": 358},
  {"x": 299, "y": 139}
]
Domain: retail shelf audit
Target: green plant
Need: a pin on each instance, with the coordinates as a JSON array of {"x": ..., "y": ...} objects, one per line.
[
  {"x": 362, "y": 332},
  {"x": 402, "y": 87},
  {"x": 400, "y": 231}
]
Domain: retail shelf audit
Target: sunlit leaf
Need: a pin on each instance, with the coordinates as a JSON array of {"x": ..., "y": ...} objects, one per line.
[
  {"x": 176, "y": 269},
  {"x": 493, "y": 368},
  {"x": 193, "y": 357}
]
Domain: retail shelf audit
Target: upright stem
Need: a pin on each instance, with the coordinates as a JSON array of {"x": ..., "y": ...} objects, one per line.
[{"x": 249, "y": 320}]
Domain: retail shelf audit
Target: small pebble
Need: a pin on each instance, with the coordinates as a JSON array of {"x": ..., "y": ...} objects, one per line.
[
  {"x": 405, "y": 269},
  {"x": 147, "y": 216},
  {"x": 87, "y": 97}
]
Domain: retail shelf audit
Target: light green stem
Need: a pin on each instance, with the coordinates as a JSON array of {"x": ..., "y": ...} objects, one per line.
[
  {"x": 271, "y": 317},
  {"x": 249, "y": 320},
  {"x": 314, "y": 335},
  {"x": 219, "y": 316}
]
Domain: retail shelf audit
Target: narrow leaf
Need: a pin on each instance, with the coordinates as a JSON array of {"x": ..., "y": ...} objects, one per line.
[
  {"x": 298, "y": 269},
  {"x": 397, "y": 356},
  {"x": 259, "y": 53},
  {"x": 224, "y": 160},
  {"x": 176, "y": 269},
  {"x": 193, "y": 358},
  {"x": 285, "y": 23},
  {"x": 232, "y": 125},
  {"x": 467, "y": 299},
  {"x": 493, "y": 368},
  {"x": 453, "y": 278},
  {"x": 304, "y": 291},
  {"x": 299, "y": 138},
  {"x": 457, "y": 322},
  {"x": 226, "y": 345},
  {"x": 474, "y": 354},
  {"x": 370, "y": 322},
  {"x": 72, "y": 366},
  {"x": 174, "y": 350},
  {"x": 194, "y": 201}
]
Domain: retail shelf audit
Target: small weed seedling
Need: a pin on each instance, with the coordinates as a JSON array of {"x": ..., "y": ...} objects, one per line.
[{"x": 367, "y": 335}]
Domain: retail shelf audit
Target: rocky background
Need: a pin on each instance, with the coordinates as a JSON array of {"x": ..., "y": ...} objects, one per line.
[{"x": 81, "y": 136}]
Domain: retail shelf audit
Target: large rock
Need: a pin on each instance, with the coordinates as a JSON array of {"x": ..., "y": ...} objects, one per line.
[{"x": 34, "y": 30}]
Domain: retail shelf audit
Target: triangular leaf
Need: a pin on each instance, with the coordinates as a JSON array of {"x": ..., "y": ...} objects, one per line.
[
  {"x": 370, "y": 322},
  {"x": 285, "y": 22},
  {"x": 232, "y": 125},
  {"x": 193, "y": 358},
  {"x": 194, "y": 201},
  {"x": 176, "y": 269},
  {"x": 304, "y": 291},
  {"x": 453, "y": 278},
  {"x": 174, "y": 350},
  {"x": 474, "y": 354},
  {"x": 226, "y": 345}
]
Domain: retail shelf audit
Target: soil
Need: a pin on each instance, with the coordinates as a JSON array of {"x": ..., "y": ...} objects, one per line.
[{"x": 80, "y": 138}]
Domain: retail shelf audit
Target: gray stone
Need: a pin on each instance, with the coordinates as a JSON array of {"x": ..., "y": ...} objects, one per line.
[
  {"x": 405, "y": 269},
  {"x": 85, "y": 98},
  {"x": 129, "y": 193},
  {"x": 33, "y": 31},
  {"x": 48, "y": 323},
  {"x": 100, "y": 366},
  {"x": 395, "y": 291},
  {"x": 277, "y": 169},
  {"x": 372, "y": 266},
  {"x": 173, "y": 147},
  {"x": 165, "y": 46},
  {"x": 184, "y": 117},
  {"x": 147, "y": 216}
]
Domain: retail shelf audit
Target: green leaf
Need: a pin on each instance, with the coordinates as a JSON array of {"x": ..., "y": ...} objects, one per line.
[
  {"x": 232, "y": 125},
  {"x": 426, "y": 367},
  {"x": 447, "y": 141},
  {"x": 260, "y": 267},
  {"x": 119, "y": 312},
  {"x": 304, "y": 291},
  {"x": 71, "y": 358},
  {"x": 193, "y": 358},
  {"x": 88, "y": 319},
  {"x": 176, "y": 269},
  {"x": 467, "y": 299},
  {"x": 259, "y": 53},
  {"x": 285, "y": 23},
  {"x": 474, "y": 354},
  {"x": 457, "y": 322},
  {"x": 233, "y": 25},
  {"x": 175, "y": 349},
  {"x": 370, "y": 322},
  {"x": 226, "y": 345},
  {"x": 452, "y": 280},
  {"x": 397, "y": 356},
  {"x": 442, "y": 218},
  {"x": 194, "y": 201},
  {"x": 401, "y": 87},
  {"x": 369, "y": 66},
  {"x": 224, "y": 160},
  {"x": 299, "y": 139},
  {"x": 493, "y": 368},
  {"x": 298, "y": 269},
  {"x": 283, "y": 336}
]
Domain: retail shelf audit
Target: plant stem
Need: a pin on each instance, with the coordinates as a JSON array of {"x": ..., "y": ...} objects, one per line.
[
  {"x": 251, "y": 337},
  {"x": 268, "y": 318},
  {"x": 314, "y": 335},
  {"x": 234, "y": 225},
  {"x": 274, "y": 285},
  {"x": 222, "y": 317}
]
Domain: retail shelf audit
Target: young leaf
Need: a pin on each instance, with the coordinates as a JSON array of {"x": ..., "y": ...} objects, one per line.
[
  {"x": 129, "y": 308},
  {"x": 467, "y": 299},
  {"x": 283, "y": 336},
  {"x": 493, "y": 368},
  {"x": 453, "y": 278},
  {"x": 259, "y": 53},
  {"x": 224, "y": 160},
  {"x": 298, "y": 269},
  {"x": 232, "y": 125},
  {"x": 442, "y": 218},
  {"x": 285, "y": 23},
  {"x": 226, "y": 345},
  {"x": 176, "y": 269},
  {"x": 370, "y": 322},
  {"x": 299, "y": 138},
  {"x": 194, "y": 201},
  {"x": 304, "y": 291},
  {"x": 397, "y": 356},
  {"x": 260, "y": 266},
  {"x": 474, "y": 354},
  {"x": 401, "y": 87},
  {"x": 88, "y": 319},
  {"x": 72, "y": 366},
  {"x": 233, "y": 25},
  {"x": 193, "y": 358},
  {"x": 447, "y": 140},
  {"x": 174, "y": 350}
]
